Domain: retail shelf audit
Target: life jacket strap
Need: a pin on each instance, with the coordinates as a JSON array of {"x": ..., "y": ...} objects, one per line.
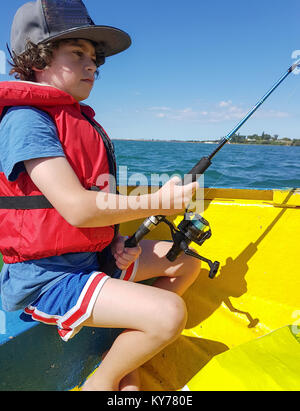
[{"x": 24, "y": 203}]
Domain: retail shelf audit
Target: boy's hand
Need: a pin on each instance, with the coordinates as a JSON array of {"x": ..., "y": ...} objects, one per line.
[
  {"x": 124, "y": 256},
  {"x": 173, "y": 197}
]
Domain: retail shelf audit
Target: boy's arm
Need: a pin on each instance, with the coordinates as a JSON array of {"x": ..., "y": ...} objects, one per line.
[{"x": 55, "y": 178}]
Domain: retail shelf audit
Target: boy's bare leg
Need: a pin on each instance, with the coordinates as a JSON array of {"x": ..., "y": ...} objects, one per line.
[
  {"x": 144, "y": 306},
  {"x": 152, "y": 319},
  {"x": 175, "y": 276},
  {"x": 131, "y": 382}
]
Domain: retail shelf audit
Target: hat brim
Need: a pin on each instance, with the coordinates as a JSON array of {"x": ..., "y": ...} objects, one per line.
[{"x": 114, "y": 40}]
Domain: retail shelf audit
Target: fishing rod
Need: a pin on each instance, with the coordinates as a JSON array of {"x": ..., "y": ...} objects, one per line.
[{"x": 194, "y": 228}]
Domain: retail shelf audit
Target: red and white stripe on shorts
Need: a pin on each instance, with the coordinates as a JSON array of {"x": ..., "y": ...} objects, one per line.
[
  {"x": 69, "y": 324},
  {"x": 130, "y": 272}
]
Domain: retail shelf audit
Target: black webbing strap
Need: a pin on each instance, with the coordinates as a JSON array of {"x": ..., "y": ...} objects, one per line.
[
  {"x": 4, "y": 111},
  {"x": 110, "y": 151},
  {"x": 41, "y": 202},
  {"x": 25, "y": 203}
]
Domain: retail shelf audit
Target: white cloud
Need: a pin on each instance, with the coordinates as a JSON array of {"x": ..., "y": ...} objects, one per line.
[
  {"x": 272, "y": 114},
  {"x": 222, "y": 111},
  {"x": 224, "y": 103},
  {"x": 160, "y": 108}
]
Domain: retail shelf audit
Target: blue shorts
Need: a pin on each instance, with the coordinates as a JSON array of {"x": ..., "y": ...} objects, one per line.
[{"x": 69, "y": 302}]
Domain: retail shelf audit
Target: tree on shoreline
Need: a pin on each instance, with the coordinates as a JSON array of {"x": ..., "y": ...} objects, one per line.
[{"x": 264, "y": 138}]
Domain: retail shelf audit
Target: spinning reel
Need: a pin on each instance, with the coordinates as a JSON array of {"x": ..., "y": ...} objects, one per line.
[{"x": 193, "y": 228}]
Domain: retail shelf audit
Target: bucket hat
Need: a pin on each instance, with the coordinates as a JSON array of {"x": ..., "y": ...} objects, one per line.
[{"x": 41, "y": 21}]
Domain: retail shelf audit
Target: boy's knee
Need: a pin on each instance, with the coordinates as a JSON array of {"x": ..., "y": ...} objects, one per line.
[{"x": 173, "y": 317}]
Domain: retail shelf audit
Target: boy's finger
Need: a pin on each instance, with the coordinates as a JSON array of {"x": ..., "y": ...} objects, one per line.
[
  {"x": 194, "y": 185},
  {"x": 119, "y": 246},
  {"x": 176, "y": 180},
  {"x": 133, "y": 251},
  {"x": 122, "y": 261}
]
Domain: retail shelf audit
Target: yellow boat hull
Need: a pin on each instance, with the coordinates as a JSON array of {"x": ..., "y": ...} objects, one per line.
[
  {"x": 269, "y": 363},
  {"x": 243, "y": 327},
  {"x": 256, "y": 239}
]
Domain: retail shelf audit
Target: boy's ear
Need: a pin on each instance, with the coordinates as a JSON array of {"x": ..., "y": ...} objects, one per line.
[
  {"x": 37, "y": 70},
  {"x": 38, "y": 74}
]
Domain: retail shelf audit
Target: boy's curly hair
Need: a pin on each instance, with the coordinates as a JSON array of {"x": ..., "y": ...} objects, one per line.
[{"x": 39, "y": 56}]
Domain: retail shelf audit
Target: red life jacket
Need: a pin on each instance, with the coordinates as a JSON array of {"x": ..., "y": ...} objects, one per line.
[{"x": 27, "y": 234}]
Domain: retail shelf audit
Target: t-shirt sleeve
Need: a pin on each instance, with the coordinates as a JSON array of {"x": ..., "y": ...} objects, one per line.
[{"x": 26, "y": 133}]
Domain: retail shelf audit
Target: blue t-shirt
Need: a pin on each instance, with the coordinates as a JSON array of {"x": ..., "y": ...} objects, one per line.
[{"x": 27, "y": 133}]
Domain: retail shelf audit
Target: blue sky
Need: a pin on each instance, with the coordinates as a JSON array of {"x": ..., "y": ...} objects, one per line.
[{"x": 195, "y": 67}]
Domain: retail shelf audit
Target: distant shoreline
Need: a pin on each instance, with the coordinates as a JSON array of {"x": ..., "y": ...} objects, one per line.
[{"x": 281, "y": 144}]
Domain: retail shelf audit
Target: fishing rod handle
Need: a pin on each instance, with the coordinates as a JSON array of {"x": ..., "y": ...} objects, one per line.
[
  {"x": 148, "y": 225},
  {"x": 131, "y": 242},
  {"x": 111, "y": 266},
  {"x": 197, "y": 170}
]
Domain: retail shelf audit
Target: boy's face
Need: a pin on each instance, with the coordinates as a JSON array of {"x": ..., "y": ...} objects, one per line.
[{"x": 72, "y": 69}]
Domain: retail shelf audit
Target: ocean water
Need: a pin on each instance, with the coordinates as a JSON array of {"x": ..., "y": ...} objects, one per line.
[{"x": 234, "y": 166}]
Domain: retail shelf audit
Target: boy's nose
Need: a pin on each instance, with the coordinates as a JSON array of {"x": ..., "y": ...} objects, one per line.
[{"x": 90, "y": 65}]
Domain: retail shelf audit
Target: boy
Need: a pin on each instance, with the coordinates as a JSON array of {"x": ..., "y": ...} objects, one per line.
[{"x": 56, "y": 233}]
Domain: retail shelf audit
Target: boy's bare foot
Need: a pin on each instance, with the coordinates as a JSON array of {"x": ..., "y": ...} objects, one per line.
[
  {"x": 131, "y": 382},
  {"x": 90, "y": 386}
]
